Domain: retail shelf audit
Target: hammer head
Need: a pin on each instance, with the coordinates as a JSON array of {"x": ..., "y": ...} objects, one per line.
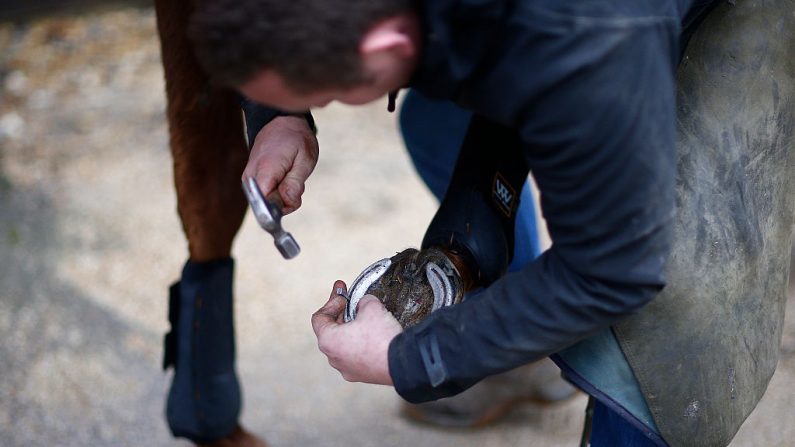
[
  {"x": 286, "y": 244},
  {"x": 269, "y": 217}
]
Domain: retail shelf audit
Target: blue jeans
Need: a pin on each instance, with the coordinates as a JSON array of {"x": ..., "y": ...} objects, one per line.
[
  {"x": 433, "y": 132},
  {"x": 612, "y": 430}
]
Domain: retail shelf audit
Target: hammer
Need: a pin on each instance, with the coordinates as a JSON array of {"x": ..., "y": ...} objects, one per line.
[{"x": 268, "y": 211}]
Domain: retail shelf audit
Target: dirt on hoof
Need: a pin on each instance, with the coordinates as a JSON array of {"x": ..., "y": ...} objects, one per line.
[{"x": 407, "y": 288}]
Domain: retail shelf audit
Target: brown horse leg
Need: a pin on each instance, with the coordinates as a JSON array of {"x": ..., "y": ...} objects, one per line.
[
  {"x": 209, "y": 154},
  {"x": 207, "y": 141}
]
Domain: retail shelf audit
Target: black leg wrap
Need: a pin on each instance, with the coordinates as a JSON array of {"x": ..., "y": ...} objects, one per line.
[
  {"x": 477, "y": 216},
  {"x": 204, "y": 400}
]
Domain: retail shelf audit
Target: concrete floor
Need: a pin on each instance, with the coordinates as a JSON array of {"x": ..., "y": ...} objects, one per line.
[{"x": 90, "y": 241}]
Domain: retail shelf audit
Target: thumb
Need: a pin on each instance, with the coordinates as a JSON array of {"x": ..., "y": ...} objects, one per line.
[{"x": 369, "y": 304}]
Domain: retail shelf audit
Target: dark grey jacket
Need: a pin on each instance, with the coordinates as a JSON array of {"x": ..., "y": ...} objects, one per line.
[{"x": 590, "y": 87}]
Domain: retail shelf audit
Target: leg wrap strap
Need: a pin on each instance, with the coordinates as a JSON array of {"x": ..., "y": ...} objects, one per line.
[{"x": 204, "y": 400}]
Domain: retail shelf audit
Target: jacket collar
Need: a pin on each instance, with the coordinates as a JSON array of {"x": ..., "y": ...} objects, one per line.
[{"x": 456, "y": 35}]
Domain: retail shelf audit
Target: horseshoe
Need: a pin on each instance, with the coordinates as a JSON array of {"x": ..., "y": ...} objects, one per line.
[
  {"x": 440, "y": 284},
  {"x": 362, "y": 283}
]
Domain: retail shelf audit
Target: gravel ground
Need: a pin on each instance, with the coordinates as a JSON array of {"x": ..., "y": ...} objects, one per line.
[{"x": 90, "y": 241}]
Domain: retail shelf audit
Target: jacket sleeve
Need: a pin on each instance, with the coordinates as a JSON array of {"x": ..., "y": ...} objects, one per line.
[
  {"x": 258, "y": 115},
  {"x": 600, "y": 142}
]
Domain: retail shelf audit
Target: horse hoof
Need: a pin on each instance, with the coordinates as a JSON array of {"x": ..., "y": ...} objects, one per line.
[
  {"x": 238, "y": 438},
  {"x": 411, "y": 285}
]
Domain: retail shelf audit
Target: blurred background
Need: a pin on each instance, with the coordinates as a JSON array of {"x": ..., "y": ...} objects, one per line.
[{"x": 90, "y": 241}]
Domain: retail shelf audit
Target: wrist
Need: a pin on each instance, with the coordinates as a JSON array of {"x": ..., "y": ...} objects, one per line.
[
  {"x": 305, "y": 118},
  {"x": 384, "y": 377}
]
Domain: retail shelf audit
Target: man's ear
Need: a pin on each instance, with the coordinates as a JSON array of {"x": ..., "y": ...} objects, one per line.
[{"x": 389, "y": 36}]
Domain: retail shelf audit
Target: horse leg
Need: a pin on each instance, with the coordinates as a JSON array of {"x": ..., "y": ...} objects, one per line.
[{"x": 209, "y": 153}]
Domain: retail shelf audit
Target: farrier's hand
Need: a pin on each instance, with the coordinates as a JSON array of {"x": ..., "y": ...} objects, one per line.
[
  {"x": 283, "y": 156},
  {"x": 359, "y": 349}
]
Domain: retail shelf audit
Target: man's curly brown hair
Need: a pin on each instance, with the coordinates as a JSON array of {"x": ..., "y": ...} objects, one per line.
[{"x": 313, "y": 44}]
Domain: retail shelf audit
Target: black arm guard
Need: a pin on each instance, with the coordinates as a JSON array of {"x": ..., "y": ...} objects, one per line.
[
  {"x": 258, "y": 115},
  {"x": 477, "y": 216}
]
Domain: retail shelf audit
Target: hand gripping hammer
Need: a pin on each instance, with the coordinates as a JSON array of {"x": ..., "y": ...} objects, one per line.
[{"x": 268, "y": 212}]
